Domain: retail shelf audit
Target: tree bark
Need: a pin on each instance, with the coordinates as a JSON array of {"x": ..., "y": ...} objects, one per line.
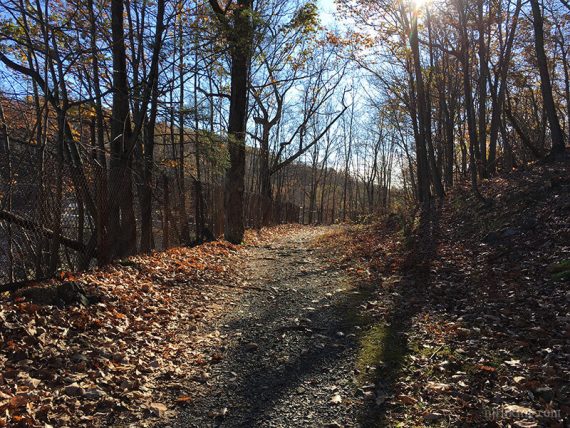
[
  {"x": 424, "y": 193},
  {"x": 468, "y": 98},
  {"x": 498, "y": 98},
  {"x": 483, "y": 73},
  {"x": 240, "y": 34},
  {"x": 122, "y": 226},
  {"x": 558, "y": 145}
]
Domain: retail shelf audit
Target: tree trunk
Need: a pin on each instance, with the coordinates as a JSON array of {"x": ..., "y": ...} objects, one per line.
[
  {"x": 184, "y": 226},
  {"x": 234, "y": 181},
  {"x": 101, "y": 196},
  {"x": 557, "y": 136},
  {"x": 265, "y": 177},
  {"x": 122, "y": 226},
  {"x": 6, "y": 152},
  {"x": 468, "y": 98},
  {"x": 424, "y": 194},
  {"x": 146, "y": 188},
  {"x": 198, "y": 191},
  {"x": 498, "y": 99},
  {"x": 166, "y": 213},
  {"x": 483, "y": 73}
]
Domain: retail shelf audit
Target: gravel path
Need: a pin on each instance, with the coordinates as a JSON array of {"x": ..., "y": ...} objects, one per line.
[{"x": 288, "y": 358}]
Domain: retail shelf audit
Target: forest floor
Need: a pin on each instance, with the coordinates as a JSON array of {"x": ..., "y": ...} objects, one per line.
[
  {"x": 471, "y": 320},
  {"x": 456, "y": 318},
  {"x": 263, "y": 334}
]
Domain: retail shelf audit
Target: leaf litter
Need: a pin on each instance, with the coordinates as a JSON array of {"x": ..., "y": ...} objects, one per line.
[
  {"x": 132, "y": 356},
  {"x": 480, "y": 299}
]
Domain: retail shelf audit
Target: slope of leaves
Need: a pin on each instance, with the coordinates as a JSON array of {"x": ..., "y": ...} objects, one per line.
[
  {"x": 478, "y": 297},
  {"x": 129, "y": 357},
  {"x": 268, "y": 234}
]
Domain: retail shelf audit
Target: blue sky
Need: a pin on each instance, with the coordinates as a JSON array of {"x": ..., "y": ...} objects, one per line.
[{"x": 327, "y": 9}]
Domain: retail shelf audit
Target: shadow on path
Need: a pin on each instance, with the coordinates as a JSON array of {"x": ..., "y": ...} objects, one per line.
[
  {"x": 291, "y": 349},
  {"x": 294, "y": 348},
  {"x": 411, "y": 298}
]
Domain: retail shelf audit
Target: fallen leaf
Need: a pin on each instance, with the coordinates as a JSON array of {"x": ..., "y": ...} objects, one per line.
[
  {"x": 513, "y": 363},
  {"x": 438, "y": 387},
  {"x": 18, "y": 401},
  {"x": 73, "y": 390},
  {"x": 518, "y": 410},
  {"x": 487, "y": 368},
  {"x": 251, "y": 347},
  {"x": 158, "y": 409},
  {"x": 432, "y": 416},
  {"x": 336, "y": 399},
  {"x": 183, "y": 399},
  {"x": 525, "y": 424},
  {"x": 406, "y": 399}
]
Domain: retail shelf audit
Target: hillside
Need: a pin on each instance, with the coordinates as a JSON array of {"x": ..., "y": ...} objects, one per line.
[{"x": 469, "y": 323}]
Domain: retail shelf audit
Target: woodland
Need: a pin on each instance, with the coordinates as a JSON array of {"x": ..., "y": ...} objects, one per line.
[{"x": 278, "y": 213}]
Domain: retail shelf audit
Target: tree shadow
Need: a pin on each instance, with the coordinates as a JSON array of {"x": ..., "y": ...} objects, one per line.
[
  {"x": 390, "y": 336},
  {"x": 262, "y": 380},
  {"x": 316, "y": 350},
  {"x": 282, "y": 345}
]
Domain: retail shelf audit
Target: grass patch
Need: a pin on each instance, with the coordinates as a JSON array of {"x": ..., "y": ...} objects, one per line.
[
  {"x": 382, "y": 347},
  {"x": 370, "y": 351},
  {"x": 444, "y": 351}
]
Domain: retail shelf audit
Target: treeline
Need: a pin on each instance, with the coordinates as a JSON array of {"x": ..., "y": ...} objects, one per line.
[
  {"x": 133, "y": 126},
  {"x": 313, "y": 190},
  {"x": 472, "y": 87}
]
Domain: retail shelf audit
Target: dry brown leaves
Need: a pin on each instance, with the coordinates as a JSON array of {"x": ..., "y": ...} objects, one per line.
[
  {"x": 131, "y": 357},
  {"x": 486, "y": 325},
  {"x": 268, "y": 234}
]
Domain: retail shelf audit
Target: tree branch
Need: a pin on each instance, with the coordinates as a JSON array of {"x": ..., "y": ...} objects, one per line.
[{"x": 30, "y": 225}]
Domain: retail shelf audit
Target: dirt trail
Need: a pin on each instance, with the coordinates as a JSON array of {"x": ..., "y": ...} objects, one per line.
[{"x": 289, "y": 344}]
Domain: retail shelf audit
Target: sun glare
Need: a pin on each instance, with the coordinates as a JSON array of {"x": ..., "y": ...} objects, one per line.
[{"x": 418, "y": 4}]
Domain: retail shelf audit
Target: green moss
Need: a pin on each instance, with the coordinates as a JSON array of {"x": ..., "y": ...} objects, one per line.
[
  {"x": 561, "y": 266},
  {"x": 370, "y": 350},
  {"x": 474, "y": 369},
  {"x": 560, "y": 271},
  {"x": 379, "y": 346},
  {"x": 444, "y": 352},
  {"x": 350, "y": 307}
]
